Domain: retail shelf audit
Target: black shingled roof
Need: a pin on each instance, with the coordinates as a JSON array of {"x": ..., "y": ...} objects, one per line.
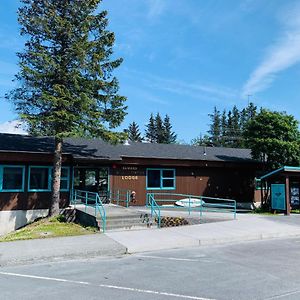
[{"x": 98, "y": 149}]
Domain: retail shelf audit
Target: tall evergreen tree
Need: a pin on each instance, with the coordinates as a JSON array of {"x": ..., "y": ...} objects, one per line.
[
  {"x": 151, "y": 130},
  {"x": 202, "y": 141},
  {"x": 160, "y": 130},
  {"x": 236, "y": 133},
  {"x": 215, "y": 127},
  {"x": 66, "y": 85},
  {"x": 251, "y": 110},
  {"x": 229, "y": 129},
  {"x": 169, "y": 135},
  {"x": 223, "y": 128},
  {"x": 133, "y": 132}
]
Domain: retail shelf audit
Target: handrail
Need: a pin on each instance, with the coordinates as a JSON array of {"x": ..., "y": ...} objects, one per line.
[
  {"x": 87, "y": 197},
  {"x": 101, "y": 209},
  {"x": 120, "y": 195},
  {"x": 206, "y": 204},
  {"x": 154, "y": 208},
  {"x": 230, "y": 204}
]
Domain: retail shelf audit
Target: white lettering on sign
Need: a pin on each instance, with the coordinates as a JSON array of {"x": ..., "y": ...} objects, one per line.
[
  {"x": 130, "y": 177},
  {"x": 130, "y": 168}
]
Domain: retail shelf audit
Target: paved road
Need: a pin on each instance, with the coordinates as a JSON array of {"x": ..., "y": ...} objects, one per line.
[{"x": 252, "y": 270}]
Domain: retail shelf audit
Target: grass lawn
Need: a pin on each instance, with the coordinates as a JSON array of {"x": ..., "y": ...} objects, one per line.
[{"x": 47, "y": 228}]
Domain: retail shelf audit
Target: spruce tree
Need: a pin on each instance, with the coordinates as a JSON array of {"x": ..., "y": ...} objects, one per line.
[
  {"x": 229, "y": 132},
  {"x": 66, "y": 86},
  {"x": 169, "y": 135},
  {"x": 215, "y": 127},
  {"x": 133, "y": 132},
  {"x": 236, "y": 133},
  {"x": 223, "y": 128},
  {"x": 160, "y": 130},
  {"x": 251, "y": 110},
  {"x": 151, "y": 130},
  {"x": 202, "y": 141}
]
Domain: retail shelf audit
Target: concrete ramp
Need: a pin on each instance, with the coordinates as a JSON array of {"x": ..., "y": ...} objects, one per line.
[{"x": 245, "y": 228}]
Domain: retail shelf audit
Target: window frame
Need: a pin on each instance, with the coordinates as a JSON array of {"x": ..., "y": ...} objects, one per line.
[
  {"x": 50, "y": 171},
  {"x": 49, "y": 178},
  {"x": 65, "y": 179},
  {"x": 2, "y": 178},
  {"x": 161, "y": 179}
]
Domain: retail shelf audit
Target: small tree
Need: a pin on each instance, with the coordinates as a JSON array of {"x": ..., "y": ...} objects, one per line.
[
  {"x": 133, "y": 132},
  {"x": 215, "y": 127},
  {"x": 151, "y": 130},
  {"x": 160, "y": 130},
  {"x": 223, "y": 128},
  {"x": 169, "y": 135},
  {"x": 202, "y": 141},
  {"x": 273, "y": 138},
  {"x": 66, "y": 86}
]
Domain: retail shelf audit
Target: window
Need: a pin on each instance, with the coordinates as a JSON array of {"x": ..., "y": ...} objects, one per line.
[
  {"x": 39, "y": 179},
  {"x": 160, "y": 179},
  {"x": 103, "y": 179},
  {"x": 65, "y": 179},
  {"x": 90, "y": 178},
  {"x": 12, "y": 178}
]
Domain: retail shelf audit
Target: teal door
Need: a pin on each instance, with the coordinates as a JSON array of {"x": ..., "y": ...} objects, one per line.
[{"x": 278, "y": 196}]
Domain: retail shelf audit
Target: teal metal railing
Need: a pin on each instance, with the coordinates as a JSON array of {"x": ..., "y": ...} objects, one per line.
[
  {"x": 120, "y": 196},
  {"x": 203, "y": 204},
  {"x": 90, "y": 199},
  {"x": 219, "y": 205},
  {"x": 155, "y": 209}
]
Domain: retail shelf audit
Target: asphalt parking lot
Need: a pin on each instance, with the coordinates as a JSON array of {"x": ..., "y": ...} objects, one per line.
[{"x": 249, "y": 270}]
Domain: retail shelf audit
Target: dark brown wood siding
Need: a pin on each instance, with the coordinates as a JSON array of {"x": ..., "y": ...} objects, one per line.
[
  {"x": 235, "y": 182},
  {"x": 29, "y": 200},
  {"x": 208, "y": 178}
]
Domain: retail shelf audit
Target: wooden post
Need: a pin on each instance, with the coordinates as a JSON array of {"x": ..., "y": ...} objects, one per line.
[{"x": 287, "y": 195}]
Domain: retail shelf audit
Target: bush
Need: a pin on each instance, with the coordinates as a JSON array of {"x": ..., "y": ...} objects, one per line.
[{"x": 59, "y": 218}]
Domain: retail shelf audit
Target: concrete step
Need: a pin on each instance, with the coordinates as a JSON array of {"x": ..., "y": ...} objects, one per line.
[
  {"x": 127, "y": 222},
  {"x": 119, "y": 227}
]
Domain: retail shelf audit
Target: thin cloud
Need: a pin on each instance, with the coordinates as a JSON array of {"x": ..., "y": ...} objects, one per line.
[
  {"x": 199, "y": 91},
  {"x": 281, "y": 55},
  {"x": 156, "y": 8},
  {"x": 193, "y": 89},
  {"x": 13, "y": 127}
]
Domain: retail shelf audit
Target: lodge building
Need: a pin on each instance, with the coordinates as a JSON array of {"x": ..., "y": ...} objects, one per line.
[{"x": 94, "y": 165}]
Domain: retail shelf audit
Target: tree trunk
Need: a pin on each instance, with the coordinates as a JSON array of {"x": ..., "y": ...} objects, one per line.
[{"x": 54, "y": 209}]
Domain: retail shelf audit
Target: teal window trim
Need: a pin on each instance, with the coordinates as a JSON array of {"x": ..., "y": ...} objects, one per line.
[
  {"x": 1, "y": 179},
  {"x": 49, "y": 187},
  {"x": 161, "y": 179},
  {"x": 65, "y": 178}
]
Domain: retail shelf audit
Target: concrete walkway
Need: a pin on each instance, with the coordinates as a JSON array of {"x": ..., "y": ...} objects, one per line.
[
  {"x": 39, "y": 250},
  {"x": 247, "y": 227}
]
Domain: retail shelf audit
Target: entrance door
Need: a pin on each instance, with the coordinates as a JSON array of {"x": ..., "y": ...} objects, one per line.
[{"x": 92, "y": 180}]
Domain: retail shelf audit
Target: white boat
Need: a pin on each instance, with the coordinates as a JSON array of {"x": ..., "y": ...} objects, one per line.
[{"x": 189, "y": 202}]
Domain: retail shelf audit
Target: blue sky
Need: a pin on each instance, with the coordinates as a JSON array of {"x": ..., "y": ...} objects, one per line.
[{"x": 183, "y": 57}]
